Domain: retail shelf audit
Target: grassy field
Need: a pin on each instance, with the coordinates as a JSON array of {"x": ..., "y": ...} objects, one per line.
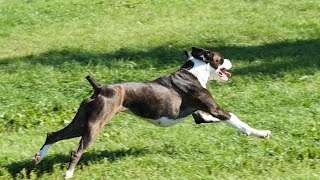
[{"x": 48, "y": 47}]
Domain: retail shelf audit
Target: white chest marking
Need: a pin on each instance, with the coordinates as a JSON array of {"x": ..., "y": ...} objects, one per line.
[
  {"x": 201, "y": 70},
  {"x": 164, "y": 121}
]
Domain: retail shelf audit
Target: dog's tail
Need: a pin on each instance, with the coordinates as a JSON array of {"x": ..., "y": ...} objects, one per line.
[{"x": 96, "y": 86}]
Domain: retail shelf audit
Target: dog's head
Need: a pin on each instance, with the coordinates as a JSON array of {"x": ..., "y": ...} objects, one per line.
[{"x": 218, "y": 66}]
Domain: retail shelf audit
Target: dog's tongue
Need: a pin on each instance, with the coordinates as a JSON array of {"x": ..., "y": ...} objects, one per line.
[{"x": 225, "y": 72}]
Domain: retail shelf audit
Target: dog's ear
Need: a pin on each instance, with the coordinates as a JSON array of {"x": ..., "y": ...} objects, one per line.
[
  {"x": 200, "y": 53},
  {"x": 188, "y": 54}
]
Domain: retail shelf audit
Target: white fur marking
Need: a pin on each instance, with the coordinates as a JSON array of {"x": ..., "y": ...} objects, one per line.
[
  {"x": 43, "y": 152},
  {"x": 245, "y": 128},
  {"x": 216, "y": 75},
  {"x": 204, "y": 72},
  {"x": 68, "y": 174},
  {"x": 226, "y": 64},
  {"x": 208, "y": 118},
  {"x": 164, "y": 121},
  {"x": 201, "y": 70}
]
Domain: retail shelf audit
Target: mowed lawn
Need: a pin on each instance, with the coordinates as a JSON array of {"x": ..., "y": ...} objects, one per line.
[{"x": 48, "y": 47}]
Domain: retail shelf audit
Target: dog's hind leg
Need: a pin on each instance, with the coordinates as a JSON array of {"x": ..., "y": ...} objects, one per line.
[
  {"x": 74, "y": 129},
  {"x": 86, "y": 140},
  {"x": 100, "y": 112}
]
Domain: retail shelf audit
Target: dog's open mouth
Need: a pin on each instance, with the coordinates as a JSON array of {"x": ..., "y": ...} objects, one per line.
[{"x": 224, "y": 72}]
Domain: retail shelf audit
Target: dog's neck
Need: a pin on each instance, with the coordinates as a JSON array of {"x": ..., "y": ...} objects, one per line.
[{"x": 201, "y": 70}]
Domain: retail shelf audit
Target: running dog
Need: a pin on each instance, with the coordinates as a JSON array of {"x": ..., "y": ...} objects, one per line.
[{"x": 164, "y": 102}]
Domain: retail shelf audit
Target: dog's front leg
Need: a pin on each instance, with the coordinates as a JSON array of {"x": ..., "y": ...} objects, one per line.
[
  {"x": 234, "y": 121},
  {"x": 209, "y": 105},
  {"x": 203, "y": 117},
  {"x": 245, "y": 128}
]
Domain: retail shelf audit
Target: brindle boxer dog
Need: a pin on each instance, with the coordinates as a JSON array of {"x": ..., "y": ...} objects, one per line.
[{"x": 164, "y": 102}]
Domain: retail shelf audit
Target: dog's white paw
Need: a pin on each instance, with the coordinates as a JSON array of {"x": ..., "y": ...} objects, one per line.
[
  {"x": 68, "y": 175},
  {"x": 267, "y": 134},
  {"x": 40, "y": 154},
  {"x": 36, "y": 158}
]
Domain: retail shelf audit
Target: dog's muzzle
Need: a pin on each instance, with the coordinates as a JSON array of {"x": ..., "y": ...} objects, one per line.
[{"x": 222, "y": 70}]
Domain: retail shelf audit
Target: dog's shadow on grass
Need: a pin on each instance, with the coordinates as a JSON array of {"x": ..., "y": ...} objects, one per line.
[
  {"x": 24, "y": 168},
  {"x": 265, "y": 59}
]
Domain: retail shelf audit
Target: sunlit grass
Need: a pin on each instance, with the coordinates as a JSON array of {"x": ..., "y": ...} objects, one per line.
[{"x": 48, "y": 47}]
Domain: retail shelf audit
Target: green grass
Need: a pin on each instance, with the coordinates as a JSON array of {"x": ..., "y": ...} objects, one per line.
[{"x": 48, "y": 47}]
